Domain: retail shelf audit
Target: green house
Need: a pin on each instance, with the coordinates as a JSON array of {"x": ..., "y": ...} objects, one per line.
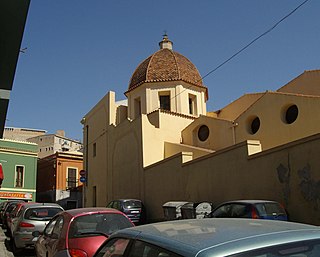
[{"x": 19, "y": 167}]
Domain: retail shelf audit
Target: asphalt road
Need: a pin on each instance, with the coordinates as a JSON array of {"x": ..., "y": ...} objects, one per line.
[{"x": 6, "y": 248}]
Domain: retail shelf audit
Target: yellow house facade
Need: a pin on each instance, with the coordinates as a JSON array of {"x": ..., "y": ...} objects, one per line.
[{"x": 164, "y": 145}]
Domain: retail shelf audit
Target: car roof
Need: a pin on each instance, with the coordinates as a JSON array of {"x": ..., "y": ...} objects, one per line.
[
  {"x": 127, "y": 199},
  {"x": 219, "y": 236},
  {"x": 250, "y": 201},
  {"x": 82, "y": 211},
  {"x": 37, "y": 205}
]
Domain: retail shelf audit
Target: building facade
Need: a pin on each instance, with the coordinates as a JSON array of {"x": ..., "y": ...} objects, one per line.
[
  {"x": 19, "y": 165},
  {"x": 164, "y": 145},
  {"x": 51, "y": 143},
  {"x": 22, "y": 134},
  {"x": 58, "y": 179}
]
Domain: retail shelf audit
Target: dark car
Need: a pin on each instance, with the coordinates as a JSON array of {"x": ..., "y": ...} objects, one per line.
[
  {"x": 133, "y": 208},
  {"x": 2, "y": 206},
  {"x": 254, "y": 209},
  {"x": 79, "y": 232},
  {"x": 215, "y": 238},
  {"x": 12, "y": 215},
  {"x": 8, "y": 208}
]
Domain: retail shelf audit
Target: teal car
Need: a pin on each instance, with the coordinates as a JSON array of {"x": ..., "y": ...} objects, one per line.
[
  {"x": 215, "y": 238},
  {"x": 253, "y": 209}
]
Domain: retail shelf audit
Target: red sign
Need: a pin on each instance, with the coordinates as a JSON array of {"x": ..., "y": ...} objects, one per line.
[
  {"x": 16, "y": 195},
  {"x": 1, "y": 172},
  {"x": 83, "y": 173}
]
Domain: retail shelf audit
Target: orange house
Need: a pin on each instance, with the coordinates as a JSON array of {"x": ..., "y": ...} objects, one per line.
[{"x": 58, "y": 179}]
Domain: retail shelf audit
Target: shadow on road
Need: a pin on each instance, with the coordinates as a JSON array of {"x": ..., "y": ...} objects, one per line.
[{"x": 24, "y": 253}]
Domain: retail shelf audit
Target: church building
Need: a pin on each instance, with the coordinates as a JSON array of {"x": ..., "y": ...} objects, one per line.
[{"x": 162, "y": 144}]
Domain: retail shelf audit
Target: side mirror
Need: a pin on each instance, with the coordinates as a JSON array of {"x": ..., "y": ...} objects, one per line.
[
  {"x": 208, "y": 215},
  {"x": 36, "y": 233}
]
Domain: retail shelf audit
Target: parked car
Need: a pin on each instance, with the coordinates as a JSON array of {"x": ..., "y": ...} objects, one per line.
[
  {"x": 2, "y": 205},
  {"x": 12, "y": 215},
  {"x": 79, "y": 232},
  {"x": 31, "y": 217},
  {"x": 215, "y": 237},
  {"x": 255, "y": 209},
  {"x": 133, "y": 208},
  {"x": 9, "y": 206}
]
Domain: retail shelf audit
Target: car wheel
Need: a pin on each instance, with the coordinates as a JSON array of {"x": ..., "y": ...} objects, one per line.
[{"x": 16, "y": 251}]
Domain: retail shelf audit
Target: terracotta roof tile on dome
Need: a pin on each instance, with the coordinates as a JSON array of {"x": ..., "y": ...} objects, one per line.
[{"x": 165, "y": 65}]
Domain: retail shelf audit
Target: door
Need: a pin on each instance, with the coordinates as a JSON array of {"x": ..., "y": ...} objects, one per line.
[
  {"x": 55, "y": 237},
  {"x": 42, "y": 242}
]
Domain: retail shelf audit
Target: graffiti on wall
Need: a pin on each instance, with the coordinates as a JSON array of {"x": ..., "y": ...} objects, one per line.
[
  {"x": 309, "y": 187},
  {"x": 284, "y": 178}
]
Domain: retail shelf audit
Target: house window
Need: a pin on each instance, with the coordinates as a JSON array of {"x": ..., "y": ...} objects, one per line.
[
  {"x": 137, "y": 107},
  {"x": 72, "y": 178},
  {"x": 255, "y": 125},
  {"x": 203, "y": 133},
  {"x": 192, "y": 105},
  {"x": 165, "y": 102},
  {"x": 94, "y": 149},
  {"x": 94, "y": 196},
  {"x": 291, "y": 114},
  {"x": 72, "y": 204},
  {"x": 19, "y": 176}
]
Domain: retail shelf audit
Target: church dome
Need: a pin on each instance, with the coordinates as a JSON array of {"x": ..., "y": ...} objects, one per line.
[{"x": 165, "y": 65}]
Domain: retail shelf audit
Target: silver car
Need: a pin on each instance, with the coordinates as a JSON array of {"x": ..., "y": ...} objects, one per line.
[
  {"x": 31, "y": 217},
  {"x": 215, "y": 237}
]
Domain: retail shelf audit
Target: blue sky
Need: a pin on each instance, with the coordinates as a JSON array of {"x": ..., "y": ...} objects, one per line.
[{"x": 78, "y": 50}]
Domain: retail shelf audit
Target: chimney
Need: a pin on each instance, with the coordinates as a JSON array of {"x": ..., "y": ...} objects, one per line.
[{"x": 60, "y": 133}]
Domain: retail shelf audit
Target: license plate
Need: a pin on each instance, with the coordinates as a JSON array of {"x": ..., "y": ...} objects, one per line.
[{"x": 134, "y": 211}]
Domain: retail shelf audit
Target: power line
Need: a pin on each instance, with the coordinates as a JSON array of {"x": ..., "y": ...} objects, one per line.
[
  {"x": 246, "y": 46},
  {"x": 254, "y": 40}
]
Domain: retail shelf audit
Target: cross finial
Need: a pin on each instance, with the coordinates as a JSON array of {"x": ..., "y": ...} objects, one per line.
[
  {"x": 165, "y": 35},
  {"x": 165, "y": 43}
]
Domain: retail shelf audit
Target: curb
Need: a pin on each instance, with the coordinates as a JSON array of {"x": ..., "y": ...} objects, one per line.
[{"x": 3, "y": 249}]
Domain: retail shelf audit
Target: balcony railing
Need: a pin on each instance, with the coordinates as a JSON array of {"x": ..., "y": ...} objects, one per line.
[{"x": 72, "y": 183}]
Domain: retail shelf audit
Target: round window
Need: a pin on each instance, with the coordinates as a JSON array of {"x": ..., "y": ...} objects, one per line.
[
  {"x": 291, "y": 114},
  {"x": 203, "y": 133},
  {"x": 255, "y": 125}
]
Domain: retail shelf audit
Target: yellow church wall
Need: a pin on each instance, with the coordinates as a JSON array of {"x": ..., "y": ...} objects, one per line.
[
  {"x": 95, "y": 124},
  {"x": 157, "y": 128},
  {"x": 171, "y": 149},
  {"x": 274, "y": 131},
  {"x": 106, "y": 137},
  {"x": 307, "y": 83},
  {"x": 124, "y": 169},
  {"x": 179, "y": 98},
  {"x": 237, "y": 107},
  {"x": 221, "y": 133},
  {"x": 282, "y": 174}
]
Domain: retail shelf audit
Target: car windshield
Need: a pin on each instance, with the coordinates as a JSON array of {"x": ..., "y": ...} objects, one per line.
[
  {"x": 97, "y": 224},
  {"x": 267, "y": 209},
  {"x": 43, "y": 213},
  {"x": 132, "y": 204}
]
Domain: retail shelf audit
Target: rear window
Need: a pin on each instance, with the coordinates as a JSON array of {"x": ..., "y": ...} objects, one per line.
[
  {"x": 43, "y": 213},
  {"x": 95, "y": 224},
  {"x": 270, "y": 209},
  {"x": 11, "y": 207},
  {"x": 132, "y": 204}
]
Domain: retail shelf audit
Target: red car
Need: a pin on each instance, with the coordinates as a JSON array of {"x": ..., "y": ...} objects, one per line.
[{"x": 79, "y": 232}]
